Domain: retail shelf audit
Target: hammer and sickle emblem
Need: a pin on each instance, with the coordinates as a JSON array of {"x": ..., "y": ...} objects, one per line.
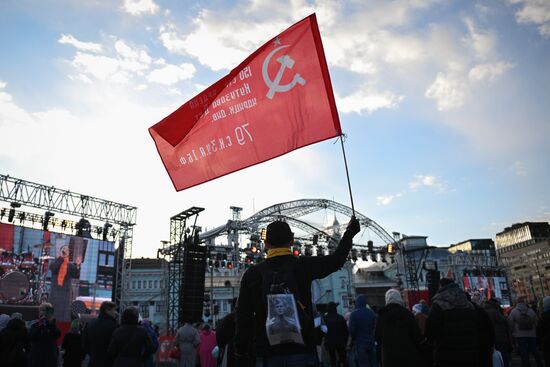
[{"x": 286, "y": 62}]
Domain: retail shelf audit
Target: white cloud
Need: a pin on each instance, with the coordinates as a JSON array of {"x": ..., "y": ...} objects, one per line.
[
  {"x": 218, "y": 34},
  {"x": 367, "y": 99},
  {"x": 520, "y": 168},
  {"x": 449, "y": 90},
  {"x": 118, "y": 63},
  {"x": 82, "y": 46},
  {"x": 139, "y": 7},
  {"x": 482, "y": 42},
  {"x": 426, "y": 181},
  {"x": 536, "y": 12},
  {"x": 387, "y": 199},
  {"x": 171, "y": 74},
  {"x": 100, "y": 67},
  {"x": 488, "y": 72},
  {"x": 132, "y": 59}
]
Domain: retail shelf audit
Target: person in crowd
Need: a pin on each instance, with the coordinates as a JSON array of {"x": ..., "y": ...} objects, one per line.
[
  {"x": 4, "y": 319},
  {"x": 43, "y": 335},
  {"x": 460, "y": 333},
  {"x": 336, "y": 336},
  {"x": 225, "y": 337},
  {"x": 420, "y": 312},
  {"x": 130, "y": 344},
  {"x": 543, "y": 330},
  {"x": 148, "y": 327},
  {"x": 398, "y": 333},
  {"x": 72, "y": 345},
  {"x": 503, "y": 335},
  {"x": 187, "y": 340},
  {"x": 207, "y": 344},
  {"x": 97, "y": 335},
  {"x": 523, "y": 323},
  {"x": 14, "y": 342},
  {"x": 298, "y": 274},
  {"x": 361, "y": 330}
]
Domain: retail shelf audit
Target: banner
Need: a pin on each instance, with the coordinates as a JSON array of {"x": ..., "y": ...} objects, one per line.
[{"x": 277, "y": 100}]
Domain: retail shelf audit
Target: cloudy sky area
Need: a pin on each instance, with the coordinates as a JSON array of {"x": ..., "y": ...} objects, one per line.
[{"x": 445, "y": 105}]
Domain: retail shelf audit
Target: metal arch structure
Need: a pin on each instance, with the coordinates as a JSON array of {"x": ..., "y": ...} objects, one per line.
[{"x": 291, "y": 211}]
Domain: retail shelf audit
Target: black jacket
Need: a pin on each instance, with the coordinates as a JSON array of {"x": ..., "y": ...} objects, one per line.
[
  {"x": 74, "y": 353},
  {"x": 14, "y": 344},
  {"x": 460, "y": 333},
  {"x": 400, "y": 337},
  {"x": 503, "y": 334},
  {"x": 130, "y": 346},
  {"x": 43, "y": 346},
  {"x": 337, "y": 330},
  {"x": 225, "y": 337},
  {"x": 251, "y": 309},
  {"x": 96, "y": 338},
  {"x": 543, "y": 333}
]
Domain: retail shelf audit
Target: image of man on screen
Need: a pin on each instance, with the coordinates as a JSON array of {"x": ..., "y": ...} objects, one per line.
[{"x": 63, "y": 272}]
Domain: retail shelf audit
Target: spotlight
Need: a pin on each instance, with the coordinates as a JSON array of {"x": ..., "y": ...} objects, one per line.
[{"x": 47, "y": 217}]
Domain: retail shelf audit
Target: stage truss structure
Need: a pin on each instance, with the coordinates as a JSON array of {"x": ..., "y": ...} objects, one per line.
[
  {"x": 118, "y": 219},
  {"x": 293, "y": 212}
]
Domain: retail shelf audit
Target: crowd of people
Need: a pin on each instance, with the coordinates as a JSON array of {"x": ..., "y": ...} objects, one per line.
[
  {"x": 274, "y": 324},
  {"x": 454, "y": 331}
]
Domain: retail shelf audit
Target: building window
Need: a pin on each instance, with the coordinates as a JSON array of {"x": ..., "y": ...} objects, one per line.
[
  {"x": 133, "y": 284},
  {"x": 139, "y": 284},
  {"x": 156, "y": 284},
  {"x": 150, "y": 284}
]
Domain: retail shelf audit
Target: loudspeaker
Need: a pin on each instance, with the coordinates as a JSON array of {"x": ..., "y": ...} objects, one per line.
[{"x": 192, "y": 285}]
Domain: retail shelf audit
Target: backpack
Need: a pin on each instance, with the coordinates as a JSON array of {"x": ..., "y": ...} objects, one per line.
[
  {"x": 280, "y": 291},
  {"x": 525, "y": 322}
]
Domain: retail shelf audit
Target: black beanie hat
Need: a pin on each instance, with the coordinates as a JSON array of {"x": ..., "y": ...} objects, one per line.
[{"x": 279, "y": 233}]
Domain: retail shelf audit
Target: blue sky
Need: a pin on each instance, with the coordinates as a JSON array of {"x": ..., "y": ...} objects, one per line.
[{"x": 445, "y": 105}]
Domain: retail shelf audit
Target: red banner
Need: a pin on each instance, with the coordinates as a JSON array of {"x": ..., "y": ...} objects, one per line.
[{"x": 277, "y": 100}]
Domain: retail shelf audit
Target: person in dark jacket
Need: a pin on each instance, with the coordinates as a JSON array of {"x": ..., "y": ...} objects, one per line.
[
  {"x": 252, "y": 308},
  {"x": 336, "y": 337},
  {"x": 460, "y": 333},
  {"x": 361, "y": 330},
  {"x": 503, "y": 334},
  {"x": 72, "y": 345},
  {"x": 398, "y": 334},
  {"x": 543, "y": 330},
  {"x": 43, "y": 335},
  {"x": 148, "y": 327},
  {"x": 225, "y": 337},
  {"x": 130, "y": 344},
  {"x": 15, "y": 343},
  {"x": 97, "y": 335},
  {"x": 524, "y": 331}
]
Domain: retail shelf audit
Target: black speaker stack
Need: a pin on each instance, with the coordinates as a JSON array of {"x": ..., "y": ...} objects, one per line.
[{"x": 192, "y": 285}]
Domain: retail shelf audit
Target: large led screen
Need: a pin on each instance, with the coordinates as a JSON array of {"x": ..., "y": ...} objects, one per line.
[
  {"x": 483, "y": 288},
  {"x": 38, "y": 266}
]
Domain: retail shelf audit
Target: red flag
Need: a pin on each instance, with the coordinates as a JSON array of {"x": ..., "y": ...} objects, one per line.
[{"x": 277, "y": 100}]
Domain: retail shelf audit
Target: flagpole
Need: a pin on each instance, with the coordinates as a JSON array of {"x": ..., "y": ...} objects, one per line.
[{"x": 347, "y": 174}]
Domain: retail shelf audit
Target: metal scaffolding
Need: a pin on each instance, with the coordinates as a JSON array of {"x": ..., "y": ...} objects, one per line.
[{"x": 120, "y": 217}]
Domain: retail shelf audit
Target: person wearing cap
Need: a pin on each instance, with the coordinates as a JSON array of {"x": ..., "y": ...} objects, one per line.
[
  {"x": 15, "y": 342},
  {"x": 252, "y": 346},
  {"x": 336, "y": 336},
  {"x": 44, "y": 333}
]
